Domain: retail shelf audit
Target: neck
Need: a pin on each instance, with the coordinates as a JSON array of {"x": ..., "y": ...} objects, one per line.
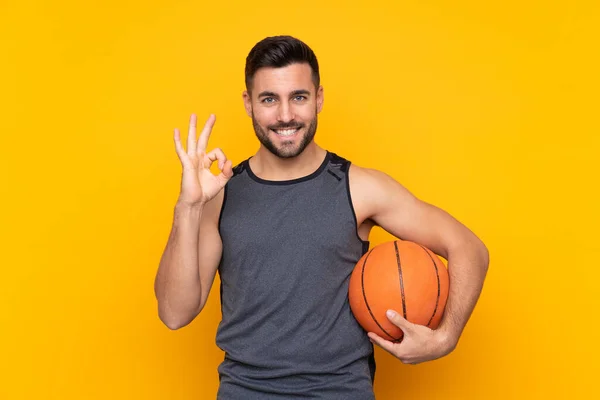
[{"x": 268, "y": 166}]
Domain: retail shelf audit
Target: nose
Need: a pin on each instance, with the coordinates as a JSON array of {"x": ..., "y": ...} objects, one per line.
[{"x": 286, "y": 113}]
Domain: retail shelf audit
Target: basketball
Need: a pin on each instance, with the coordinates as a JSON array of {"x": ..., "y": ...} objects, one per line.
[{"x": 399, "y": 275}]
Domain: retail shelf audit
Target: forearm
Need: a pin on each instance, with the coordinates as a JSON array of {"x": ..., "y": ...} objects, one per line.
[
  {"x": 467, "y": 268},
  {"x": 177, "y": 284}
]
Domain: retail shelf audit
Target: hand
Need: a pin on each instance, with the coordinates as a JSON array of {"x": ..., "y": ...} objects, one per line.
[
  {"x": 419, "y": 343},
  {"x": 198, "y": 184}
]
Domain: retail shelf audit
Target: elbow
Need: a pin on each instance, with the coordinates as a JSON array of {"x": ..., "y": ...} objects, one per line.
[
  {"x": 484, "y": 256},
  {"x": 485, "y": 253},
  {"x": 173, "y": 324},
  {"x": 175, "y": 321}
]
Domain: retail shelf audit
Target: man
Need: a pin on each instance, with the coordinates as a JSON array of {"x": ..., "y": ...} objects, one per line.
[{"x": 285, "y": 228}]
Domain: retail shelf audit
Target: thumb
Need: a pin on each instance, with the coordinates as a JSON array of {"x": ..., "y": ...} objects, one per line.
[
  {"x": 226, "y": 172},
  {"x": 399, "y": 321}
]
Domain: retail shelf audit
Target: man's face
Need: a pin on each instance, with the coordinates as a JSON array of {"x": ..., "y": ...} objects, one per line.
[{"x": 284, "y": 107}]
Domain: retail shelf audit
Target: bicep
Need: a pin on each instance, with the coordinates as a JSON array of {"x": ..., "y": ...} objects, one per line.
[
  {"x": 210, "y": 246},
  {"x": 403, "y": 215}
]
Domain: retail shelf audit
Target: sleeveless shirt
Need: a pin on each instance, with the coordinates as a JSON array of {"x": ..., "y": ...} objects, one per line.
[{"x": 289, "y": 248}]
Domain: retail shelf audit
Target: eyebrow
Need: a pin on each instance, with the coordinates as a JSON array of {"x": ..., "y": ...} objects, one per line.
[{"x": 297, "y": 92}]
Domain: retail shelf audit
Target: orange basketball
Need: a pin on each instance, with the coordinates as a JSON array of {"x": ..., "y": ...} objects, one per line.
[{"x": 399, "y": 275}]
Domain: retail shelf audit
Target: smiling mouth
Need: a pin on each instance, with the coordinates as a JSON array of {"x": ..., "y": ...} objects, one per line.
[{"x": 286, "y": 132}]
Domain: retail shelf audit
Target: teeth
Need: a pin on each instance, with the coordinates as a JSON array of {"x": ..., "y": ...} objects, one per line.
[{"x": 286, "y": 132}]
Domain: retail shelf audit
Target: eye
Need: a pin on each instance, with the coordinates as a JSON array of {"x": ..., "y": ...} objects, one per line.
[
  {"x": 267, "y": 100},
  {"x": 300, "y": 98}
]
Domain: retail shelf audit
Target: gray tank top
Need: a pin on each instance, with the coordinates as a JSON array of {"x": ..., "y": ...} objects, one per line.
[{"x": 289, "y": 248}]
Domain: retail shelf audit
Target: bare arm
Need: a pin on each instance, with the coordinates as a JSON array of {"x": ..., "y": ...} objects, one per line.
[
  {"x": 189, "y": 262},
  {"x": 400, "y": 213}
]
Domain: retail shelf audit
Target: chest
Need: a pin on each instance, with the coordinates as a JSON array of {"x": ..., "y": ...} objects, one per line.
[{"x": 280, "y": 219}]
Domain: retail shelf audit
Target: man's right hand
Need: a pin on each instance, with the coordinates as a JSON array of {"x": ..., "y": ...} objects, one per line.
[{"x": 198, "y": 183}]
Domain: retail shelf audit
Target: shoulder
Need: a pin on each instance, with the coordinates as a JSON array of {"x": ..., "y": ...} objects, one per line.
[
  {"x": 240, "y": 167},
  {"x": 376, "y": 190},
  {"x": 365, "y": 175},
  {"x": 370, "y": 179}
]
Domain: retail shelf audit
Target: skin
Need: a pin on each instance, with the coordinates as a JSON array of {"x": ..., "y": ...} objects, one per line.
[{"x": 284, "y": 97}]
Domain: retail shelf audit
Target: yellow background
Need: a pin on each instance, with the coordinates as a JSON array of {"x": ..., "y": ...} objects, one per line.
[{"x": 486, "y": 109}]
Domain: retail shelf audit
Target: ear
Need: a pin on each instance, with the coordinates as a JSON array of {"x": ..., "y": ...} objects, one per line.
[
  {"x": 247, "y": 102},
  {"x": 320, "y": 99}
]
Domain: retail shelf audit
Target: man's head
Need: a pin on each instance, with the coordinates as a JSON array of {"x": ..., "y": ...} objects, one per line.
[{"x": 283, "y": 94}]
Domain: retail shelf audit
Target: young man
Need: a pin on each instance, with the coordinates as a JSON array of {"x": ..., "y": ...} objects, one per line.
[{"x": 285, "y": 228}]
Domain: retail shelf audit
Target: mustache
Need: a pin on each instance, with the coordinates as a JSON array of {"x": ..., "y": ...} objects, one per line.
[{"x": 286, "y": 126}]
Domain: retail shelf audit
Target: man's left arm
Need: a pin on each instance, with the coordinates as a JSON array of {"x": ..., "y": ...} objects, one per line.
[{"x": 399, "y": 212}]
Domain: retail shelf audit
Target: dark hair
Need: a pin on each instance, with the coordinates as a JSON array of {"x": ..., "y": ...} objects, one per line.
[{"x": 277, "y": 52}]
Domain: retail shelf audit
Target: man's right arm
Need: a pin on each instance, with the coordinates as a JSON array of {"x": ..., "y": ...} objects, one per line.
[{"x": 189, "y": 262}]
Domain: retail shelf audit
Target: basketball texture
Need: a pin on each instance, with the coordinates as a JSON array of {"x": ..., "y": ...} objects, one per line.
[{"x": 399, "y": 275}]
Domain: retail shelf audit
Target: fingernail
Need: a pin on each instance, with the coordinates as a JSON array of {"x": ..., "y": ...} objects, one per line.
[{"x": 391, "y": 314}]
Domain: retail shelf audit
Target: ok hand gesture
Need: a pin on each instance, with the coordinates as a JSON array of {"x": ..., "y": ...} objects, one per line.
[{"x": 198, "y": 183}]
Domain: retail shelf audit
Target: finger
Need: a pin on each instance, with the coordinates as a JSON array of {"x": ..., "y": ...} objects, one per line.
[
  {"x": 215, "y": 155},
  {"x": 179, "y": 148},
  {"x": 191, "y": 139},
  {"x": 400, "y": 321},
  {"x": 397, "y": 351},
  {"x": 205, "y": 134},
  {"x": 226, "y": 172},
  {"x": 381, "y": 342}
]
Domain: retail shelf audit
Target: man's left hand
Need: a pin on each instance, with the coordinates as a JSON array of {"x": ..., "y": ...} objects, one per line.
[{"x": 419, "y": 343}]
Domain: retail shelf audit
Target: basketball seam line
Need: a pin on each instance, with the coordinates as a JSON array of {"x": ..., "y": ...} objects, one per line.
[
  {"x": 437, "y": 274},
  {"x": 401, "y": 280},
  {"x": 362, "y": 284}
]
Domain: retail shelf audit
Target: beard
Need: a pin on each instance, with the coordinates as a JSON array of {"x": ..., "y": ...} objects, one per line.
[{"x": 287, "y": 149}]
